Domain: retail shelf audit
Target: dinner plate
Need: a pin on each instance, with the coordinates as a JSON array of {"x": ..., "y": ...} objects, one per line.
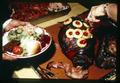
[{"x": 5, "y": 40}]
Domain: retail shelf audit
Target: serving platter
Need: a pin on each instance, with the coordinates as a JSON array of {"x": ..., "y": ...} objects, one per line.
[{"x": 36, "y": 12}]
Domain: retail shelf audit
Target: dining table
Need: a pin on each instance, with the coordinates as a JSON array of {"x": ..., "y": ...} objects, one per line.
[{"x": 94, "y": 72}]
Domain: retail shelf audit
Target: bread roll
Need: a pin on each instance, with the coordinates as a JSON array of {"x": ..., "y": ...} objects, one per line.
[{"x": 33, "y": 47}]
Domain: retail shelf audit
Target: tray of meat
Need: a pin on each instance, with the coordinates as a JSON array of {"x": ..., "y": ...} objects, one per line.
[{"x": 38, "y": 11}]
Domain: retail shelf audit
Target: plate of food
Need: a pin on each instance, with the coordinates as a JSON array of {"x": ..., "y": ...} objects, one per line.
[
  {"x": 32, "y": 11},
  {"x": 26, "y": 41}
]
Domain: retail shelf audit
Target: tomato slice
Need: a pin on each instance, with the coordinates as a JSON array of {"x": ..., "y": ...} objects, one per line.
[{"x": 17, "y": 50}]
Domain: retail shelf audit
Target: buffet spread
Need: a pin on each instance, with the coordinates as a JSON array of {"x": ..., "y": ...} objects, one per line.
[{"x": 82, "y": 51}]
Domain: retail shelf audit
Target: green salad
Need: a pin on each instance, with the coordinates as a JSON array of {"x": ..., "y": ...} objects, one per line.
[{"x": 20, "y": 33}]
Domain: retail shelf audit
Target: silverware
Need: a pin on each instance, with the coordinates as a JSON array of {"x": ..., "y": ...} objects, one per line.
[{"x": 46, "y": 74}]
